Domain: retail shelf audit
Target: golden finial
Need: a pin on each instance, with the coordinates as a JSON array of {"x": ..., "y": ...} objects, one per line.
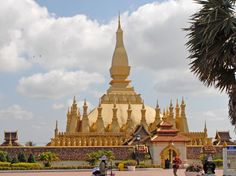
[
  {"x": 157, "y": 105},
  {"x": 171, "y": 103},
  {"x": 177, "y": 103},
  {"x": 74, "y": 101},
  {"x": 164, "y": 112},
  {"x": 10, "y": 140},
  {"x": 143, "y": 106},
  {"x": 56, "y": 124},
  {"x": 99, "y": 105},
  {"x": 119, "y": 26},
  {"x": 205, "y": 127},
  {"x": 182, "y": 102}
]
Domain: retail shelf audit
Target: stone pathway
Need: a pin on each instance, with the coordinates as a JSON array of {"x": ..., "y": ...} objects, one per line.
[{"x": 138, "y": 172}]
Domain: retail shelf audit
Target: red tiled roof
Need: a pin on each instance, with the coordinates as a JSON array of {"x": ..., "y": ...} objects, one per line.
[
  {"x": 177, "y": 138},
  {"x": 223, "y": 135}
]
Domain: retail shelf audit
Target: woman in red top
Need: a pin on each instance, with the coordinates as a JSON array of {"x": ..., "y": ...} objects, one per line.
[{"x": 176, "y": 163}]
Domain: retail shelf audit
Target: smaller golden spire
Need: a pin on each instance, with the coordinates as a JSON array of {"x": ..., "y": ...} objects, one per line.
[
  {"x": 205, "y": 128},
  {"x": 85, "y": 108},
  {"x": 10, "y": 140},
  {"x": 143, "y": 106},
  {"x": 56, "y": 129},
  {"x": 177, "y": 109},
  {"x": 182, "y": 102},
  {"x": 164, "y": 112},
  {"x": 171, "y": 105},
  {"x": 157, "y": 105},
  {"x": 56, "y": 125},
  {"x": 74, "y": 101},
  {"x": 177, "y": 103}
]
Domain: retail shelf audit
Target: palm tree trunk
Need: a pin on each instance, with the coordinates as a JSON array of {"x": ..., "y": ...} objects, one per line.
[{"x": 232, "y": 105}]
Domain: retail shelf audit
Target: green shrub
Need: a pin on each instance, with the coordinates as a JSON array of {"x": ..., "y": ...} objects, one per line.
[
  {"x": 5, "y": 164},
  {"x": 26, "y": 165},
  {"x": 93, "y": 157},
  {"x": 218, "y": 162},
  {"x": 47, "y": 158},
  {"x": 8, "y": 157},
  {"x": 5, "y": 168},
  {"x": 21, "y": 157},
  {"x": 31, "y": 158},
  {"x": 14, "y": 160},
  {"x": 3, "y": 156}
]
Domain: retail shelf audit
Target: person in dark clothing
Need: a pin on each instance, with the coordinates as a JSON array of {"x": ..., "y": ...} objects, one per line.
[
  {"x": 167, "y": 163},
  {"x": 209, "y": 166}
]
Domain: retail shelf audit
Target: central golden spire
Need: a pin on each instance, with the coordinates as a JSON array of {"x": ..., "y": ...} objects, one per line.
[
  {"x": 120, "y": 85},
  {"x": 120, "y": 68}
]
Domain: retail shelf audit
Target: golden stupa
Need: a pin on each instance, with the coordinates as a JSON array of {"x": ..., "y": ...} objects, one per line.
[{"x": 119, "y": 112}]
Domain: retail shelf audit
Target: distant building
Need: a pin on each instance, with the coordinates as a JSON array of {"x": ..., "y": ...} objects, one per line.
[
  {"x": 223, "y": 138},
  {"x": 10, "y": 139}
]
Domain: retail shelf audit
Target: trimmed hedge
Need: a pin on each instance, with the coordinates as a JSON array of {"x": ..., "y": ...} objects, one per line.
[
  {"x": 27, "y": 165},
  {"x": 5, "y": 164},
  {"x": 218, "y": 162}
]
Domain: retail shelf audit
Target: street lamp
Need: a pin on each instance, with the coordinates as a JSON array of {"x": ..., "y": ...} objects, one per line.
[
  {"x": 171, "y": 153},
  {"x": 138, "y": 137}
]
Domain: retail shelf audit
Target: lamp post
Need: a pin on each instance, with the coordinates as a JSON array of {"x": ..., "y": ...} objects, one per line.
[
  {"x": 171, "y": 153},
  {"x": 138, "y": 137}
]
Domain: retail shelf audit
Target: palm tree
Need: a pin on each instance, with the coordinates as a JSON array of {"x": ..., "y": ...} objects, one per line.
[{"x": 212, "y": 47}]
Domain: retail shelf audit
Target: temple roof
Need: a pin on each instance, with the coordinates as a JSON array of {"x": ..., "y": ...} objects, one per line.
[
  {"x": 10, "y": 136},
  {"x": 177, "y": 138},
  {"x": 223, "y": 135},
  {"x": 10, "y": 139},
  {"x": 166, "y": 133},
  {"x": 223, "y": 138},
  {"x": 139, "y": 130}
]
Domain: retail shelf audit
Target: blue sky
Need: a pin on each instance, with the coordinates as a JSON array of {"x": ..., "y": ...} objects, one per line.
[{"x": 52, "y": 50}]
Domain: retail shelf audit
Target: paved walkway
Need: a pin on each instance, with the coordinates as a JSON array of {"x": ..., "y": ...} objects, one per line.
[{"x": 138, "y": 172}]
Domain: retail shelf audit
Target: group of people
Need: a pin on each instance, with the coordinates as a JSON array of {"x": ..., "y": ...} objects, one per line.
[{"x": 208, "y": 165}]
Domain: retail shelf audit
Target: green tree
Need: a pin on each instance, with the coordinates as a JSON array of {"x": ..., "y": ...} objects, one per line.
[
  {"x": 8, "y": 158},
  {"x": 14, "y": 160},
  {"x": 30, "y": 143},
  {"x": 212, "y": 47},
  {"x": 31, "y": 158},
  {"x": 21, "y": 157},
  {"x": 3, "y": 156},
  {"x": 93, "y": 157},
  {"x": 47, "y": 158}
]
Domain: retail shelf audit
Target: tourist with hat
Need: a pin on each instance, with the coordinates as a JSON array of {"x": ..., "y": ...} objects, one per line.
[{"x": 103, "y": 165}]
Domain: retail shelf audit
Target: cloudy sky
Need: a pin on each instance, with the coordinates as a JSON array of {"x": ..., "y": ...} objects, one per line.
[{"x": 51, "y": 50}]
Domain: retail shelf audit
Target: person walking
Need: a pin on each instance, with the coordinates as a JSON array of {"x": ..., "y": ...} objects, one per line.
[
  {"x": 209, "y": 167},
  {"x": 176, "y": 163},
  {"x": 103, "y": 166}
]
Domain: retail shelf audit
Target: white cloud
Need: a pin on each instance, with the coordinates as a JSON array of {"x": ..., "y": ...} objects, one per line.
[
  {"x": 16, "y": 112},
  {"x": 176, "y": 81},
  {"x": 15, "y": 26},
  {"x": 58, "y": 106},
  {"x": 153, "y": 36},
  {"x": 57, "y": 83}
]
